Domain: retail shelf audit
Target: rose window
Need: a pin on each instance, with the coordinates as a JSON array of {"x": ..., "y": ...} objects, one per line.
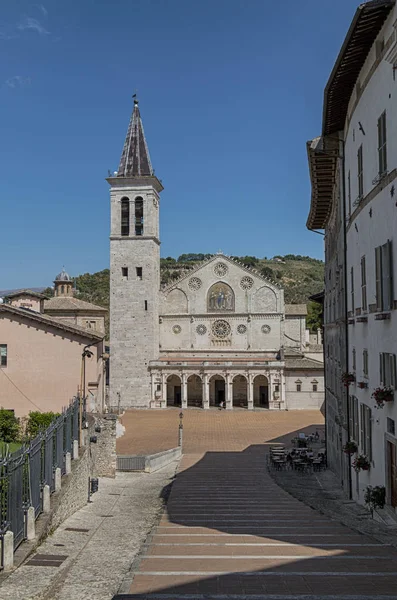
[
  {"x": 177, "y": 329},
  {"x": 246, "y": 283},
  {"x": 201, "y": 329},
  {"x": 241, "y": 329},
  {"x": 221, "y": 328},
  {"x": 266, "y": 329},
  {"x": 195, "y": 283},
  {"x": 220, "y": 269}
]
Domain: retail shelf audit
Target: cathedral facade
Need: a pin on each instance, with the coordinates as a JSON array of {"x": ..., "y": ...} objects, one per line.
[{"x": 219, "y": 335}]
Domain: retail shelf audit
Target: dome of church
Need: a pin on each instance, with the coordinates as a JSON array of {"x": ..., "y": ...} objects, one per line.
[{"x": 62, "y": 276}]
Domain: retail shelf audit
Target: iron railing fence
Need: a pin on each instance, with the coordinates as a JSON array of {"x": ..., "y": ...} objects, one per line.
[{"x": 24, "y": 473}]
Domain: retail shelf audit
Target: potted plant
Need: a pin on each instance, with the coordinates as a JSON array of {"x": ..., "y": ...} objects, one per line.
[
  {"x": 375, "y": 497},
  {"x": 361, "y": 463},
  {"x": 382, "y": 395},
  {"x": 350, "y": 447},
  {"x": 348, "y": 378}
]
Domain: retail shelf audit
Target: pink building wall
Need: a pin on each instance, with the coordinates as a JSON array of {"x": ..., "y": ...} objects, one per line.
[{"x": 44, "y": 364}]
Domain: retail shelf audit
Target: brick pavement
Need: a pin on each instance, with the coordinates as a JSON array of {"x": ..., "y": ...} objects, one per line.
[
  {"x": 230, "y": 532},
  {"x": 149, "y": 431}
]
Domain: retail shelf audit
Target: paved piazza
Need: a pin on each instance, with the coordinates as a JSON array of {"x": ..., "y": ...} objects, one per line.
[
  {"x": 230, "y": 532},
  {"x": 150, "y": 431}
]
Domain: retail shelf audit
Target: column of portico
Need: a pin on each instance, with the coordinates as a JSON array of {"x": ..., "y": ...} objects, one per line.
[
  {"x": 250, "y": 391},
  {"x": 184, "y": 390},
  {"x": 283, "y": 396},
  {"x": 229, "y": 391},
  {"x": 206, "y": 391},
  {"x": 164, "y": 389},
  {"x": 270, "y": 389}
]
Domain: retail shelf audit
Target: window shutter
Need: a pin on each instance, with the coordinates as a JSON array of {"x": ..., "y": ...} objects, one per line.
[
  {"x": 362, "y": 436},
  {"x": 390, "y": 274},
  {"x": 392, "y": 359},
  {"x": 378, "y": 275},
  {"x": 351, "y": 416},
  {"x": 356, "y": 420},
  {"x": 368, "y": 433},
  {"x": 381, "y": 369}
]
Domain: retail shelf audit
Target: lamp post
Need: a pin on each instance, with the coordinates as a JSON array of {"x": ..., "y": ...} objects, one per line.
[
  {"x": 180, "y": 430},
  {"x": 86, "y": 353}
]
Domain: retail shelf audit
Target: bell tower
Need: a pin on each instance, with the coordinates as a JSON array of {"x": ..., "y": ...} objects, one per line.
[{"x": 134, "y": 271}]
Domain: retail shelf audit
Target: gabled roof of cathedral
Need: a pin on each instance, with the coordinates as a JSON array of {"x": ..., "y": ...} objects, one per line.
[
  {"x": 217, "y": 256},
  {"x": 135, "y": 159}
]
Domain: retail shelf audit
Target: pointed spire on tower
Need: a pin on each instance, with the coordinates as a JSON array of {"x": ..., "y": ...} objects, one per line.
[{"x": 135, "y": 159}]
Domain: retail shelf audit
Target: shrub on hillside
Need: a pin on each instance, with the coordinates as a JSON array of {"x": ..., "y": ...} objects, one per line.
[
  {"x": 39, "y": 421},
  {"x": 9, "y": 426}
]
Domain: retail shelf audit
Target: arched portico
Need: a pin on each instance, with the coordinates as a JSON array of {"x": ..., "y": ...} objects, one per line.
[
  {"x": 217, "y": 391},
  {"x": 261, "y": 392},
  {"x": 194, "y": 391},
  {"x": 174, "y": 384},
  {"x": 240, "y": 391}
]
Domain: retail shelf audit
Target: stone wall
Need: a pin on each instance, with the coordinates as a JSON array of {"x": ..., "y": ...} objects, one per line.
[{"x": 95, "y": 460}]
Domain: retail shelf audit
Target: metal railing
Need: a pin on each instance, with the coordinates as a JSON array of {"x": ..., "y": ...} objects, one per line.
[{"x": 24, "y": 473}]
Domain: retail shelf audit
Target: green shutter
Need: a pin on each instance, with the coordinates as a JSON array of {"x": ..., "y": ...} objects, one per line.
[{"x": 378, "y": 277}]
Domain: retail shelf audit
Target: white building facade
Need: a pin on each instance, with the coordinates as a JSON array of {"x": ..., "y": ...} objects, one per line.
[
  {"x": 360, "y": 132},
  {"x": 220, "y": 334}
]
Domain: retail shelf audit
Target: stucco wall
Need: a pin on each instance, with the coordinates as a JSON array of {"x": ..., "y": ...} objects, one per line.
[
  {"x": 372, "y": 223},
  {"x": 44, "y": 366},
  {"x": 306, "y": 398}
]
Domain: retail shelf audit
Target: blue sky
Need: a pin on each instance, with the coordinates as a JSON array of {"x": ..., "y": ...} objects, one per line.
[{"x": 230, "y": 90}]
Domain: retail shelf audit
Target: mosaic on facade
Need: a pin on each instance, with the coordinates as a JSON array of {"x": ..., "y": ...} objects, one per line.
[{"x": 220, "y": 297}]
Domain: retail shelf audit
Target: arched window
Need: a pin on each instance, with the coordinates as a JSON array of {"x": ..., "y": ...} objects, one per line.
[
  {"x": 138, "y": 216},
  {"x": 125, "y": 216}
]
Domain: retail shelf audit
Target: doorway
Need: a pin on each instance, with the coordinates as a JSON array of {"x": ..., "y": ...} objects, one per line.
[
  {"x": 217, "y": 390},
  {"x": 173, "y": 390},
  {"x": 240, "y": 391},
  {"x": 392, "y": 473},
  {"x": 261, "y": 392}
]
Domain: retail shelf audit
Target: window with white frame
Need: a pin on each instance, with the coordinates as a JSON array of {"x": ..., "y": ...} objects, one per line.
[
  {"x": 387, "y": 369},
  {"x": 352, "y": 287},
  {"x": 298, "y": 385},
  {"x": 314, "y": 385},
  {"x": 364, "y": 305},
  {"x": 384, "y": 276},
  {"x": 382, "y": 152},
  {"x": 354, "y": 359},
  {"x": 360, "y": 172},
  {"x": 365, "y": 363},
  {"x": 366, "y": 430}
]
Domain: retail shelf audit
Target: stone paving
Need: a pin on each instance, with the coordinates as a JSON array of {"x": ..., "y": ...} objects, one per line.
[
  {"x": 110, "y": 533},
  {"x": 149, "y": 431},
  {"x": 231, "y": 532}
]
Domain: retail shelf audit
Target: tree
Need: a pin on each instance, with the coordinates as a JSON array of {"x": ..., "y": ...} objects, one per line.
[
  {"x": 9, "y": 426},
  {"x": 39, "y": 421},
  {"x": 267, "y": 272},
  {"x": 314, "y": 318},
  {"x": 249, "y": 261},
  {"x": 49, "y": 291}
]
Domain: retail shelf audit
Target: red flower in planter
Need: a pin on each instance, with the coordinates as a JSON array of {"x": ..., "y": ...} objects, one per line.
[
  {"x": 361, "y": 463},
  {"x": 382, "y": 395},
  {"x": 348, "y": 378},
  {"x": 350, "y": 447}
]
